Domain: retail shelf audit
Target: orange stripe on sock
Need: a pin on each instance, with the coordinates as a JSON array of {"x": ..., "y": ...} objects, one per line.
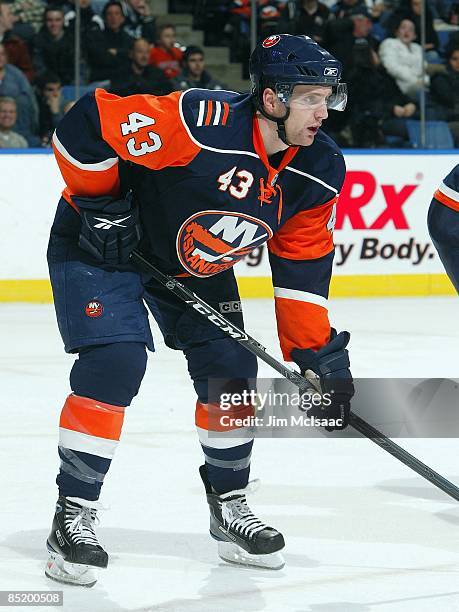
[
  {"x": 210, "y": 416},
  {"x": 91, "y": 417},
  {"x": 209, "y": 112},
  {"x": 225, "y": 112}
]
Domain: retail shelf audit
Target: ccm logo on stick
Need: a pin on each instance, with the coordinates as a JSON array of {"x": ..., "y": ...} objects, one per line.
[
  {"x": 215, "y": 319},
  {"x": 225, "y": 307}
]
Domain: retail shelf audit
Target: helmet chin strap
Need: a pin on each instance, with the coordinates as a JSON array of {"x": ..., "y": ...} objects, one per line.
[{"x": 280, "y": 123}]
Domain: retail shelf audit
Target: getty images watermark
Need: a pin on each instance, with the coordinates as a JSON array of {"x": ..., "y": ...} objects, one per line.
[
  {"x": 275, "y": 408},
  {"x": 260, "y": 401}
]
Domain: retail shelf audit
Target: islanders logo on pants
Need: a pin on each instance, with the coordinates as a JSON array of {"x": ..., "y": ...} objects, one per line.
[{"x": 211, "y": 241}]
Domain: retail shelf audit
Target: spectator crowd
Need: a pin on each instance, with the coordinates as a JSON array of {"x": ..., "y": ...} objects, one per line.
[
  {"x": 379, "y": 44},
  {"x": 124, "y": 51}
]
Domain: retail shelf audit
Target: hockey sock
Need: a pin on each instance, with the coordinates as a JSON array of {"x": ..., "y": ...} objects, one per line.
[
  {"x": 89, "y": 432},
  {"x": 227, "y": 445}
]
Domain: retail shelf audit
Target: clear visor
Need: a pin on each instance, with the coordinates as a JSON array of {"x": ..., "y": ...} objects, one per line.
[{"x": 312, "y": 97}]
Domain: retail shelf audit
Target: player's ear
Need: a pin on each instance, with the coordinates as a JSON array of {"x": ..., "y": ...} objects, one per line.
[{"x": 269, "y": 100}]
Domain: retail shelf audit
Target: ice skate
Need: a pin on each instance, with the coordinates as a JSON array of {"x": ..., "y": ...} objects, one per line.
[
  {"x": 243, "y": 538},
  {"x": 74, "y": 551}
]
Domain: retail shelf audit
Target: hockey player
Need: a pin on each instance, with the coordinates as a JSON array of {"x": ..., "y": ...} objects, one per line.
[
  {"x": 196, "y": 180},
  {"x": 443, "y": 223}
]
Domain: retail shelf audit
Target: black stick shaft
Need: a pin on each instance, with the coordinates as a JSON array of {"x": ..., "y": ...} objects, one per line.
[{"x": 194, "y": 301}]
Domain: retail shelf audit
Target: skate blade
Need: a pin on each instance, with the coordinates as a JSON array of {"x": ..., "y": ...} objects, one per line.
[
  {"x": 70, "y": 573},
  {"x": 232, "y": 553}
]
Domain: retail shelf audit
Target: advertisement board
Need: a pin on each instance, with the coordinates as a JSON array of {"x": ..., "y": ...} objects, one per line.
[{"x": 381, "y": 237}]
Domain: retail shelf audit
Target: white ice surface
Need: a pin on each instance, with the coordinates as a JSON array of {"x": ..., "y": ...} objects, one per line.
[{"x": 363, "y": 532}]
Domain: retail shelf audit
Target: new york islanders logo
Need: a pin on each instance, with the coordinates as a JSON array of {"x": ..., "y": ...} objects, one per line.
[
  {"x": 94, "y": 309},
  {"x": 270, "y": 41},
  {"x": 211, "y": 241}
]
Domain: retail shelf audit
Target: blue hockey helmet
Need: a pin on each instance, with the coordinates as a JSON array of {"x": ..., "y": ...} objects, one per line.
[{"x": 282, "y": 61}]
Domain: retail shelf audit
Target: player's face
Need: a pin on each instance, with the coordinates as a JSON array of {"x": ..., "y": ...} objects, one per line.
[{"x": 308, "y": 109}]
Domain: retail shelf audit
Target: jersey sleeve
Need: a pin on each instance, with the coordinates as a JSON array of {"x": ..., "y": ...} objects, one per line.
[
  {"x": 448, "y": 191},
  {"x": 301, "y": 256},
  {"x": 103, "y": 128}
]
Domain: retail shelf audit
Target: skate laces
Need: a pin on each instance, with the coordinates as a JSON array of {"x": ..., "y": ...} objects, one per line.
[
  {"x": 237, "y": 514},
  {"x": 80, "y": 520}
]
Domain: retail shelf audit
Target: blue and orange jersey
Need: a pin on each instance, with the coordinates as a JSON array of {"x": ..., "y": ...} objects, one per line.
[
  {"x": 448, "y": 192},
  {"x": 209, "y": 194}
]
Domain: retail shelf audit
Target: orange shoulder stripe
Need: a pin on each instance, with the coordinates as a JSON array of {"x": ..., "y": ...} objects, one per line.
[
  {"x": 145, "y": 129},
  {"x": 447, "y": 201},
  {"x": 305, "y": 235}
]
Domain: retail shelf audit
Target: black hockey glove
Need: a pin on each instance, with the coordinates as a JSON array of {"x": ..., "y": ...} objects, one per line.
[
  {"x": 331, "y": 365},
  {"x": 110, "y": 229}
]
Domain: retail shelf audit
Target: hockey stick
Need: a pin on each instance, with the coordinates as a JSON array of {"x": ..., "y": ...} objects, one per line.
[{"x": 231, "y": 330}]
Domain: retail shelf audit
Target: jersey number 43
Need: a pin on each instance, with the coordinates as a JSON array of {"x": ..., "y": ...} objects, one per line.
[{"x": 135, "y": 122}]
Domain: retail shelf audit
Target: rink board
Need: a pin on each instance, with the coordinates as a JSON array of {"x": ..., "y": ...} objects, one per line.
[{"x": 382, "y": 243}]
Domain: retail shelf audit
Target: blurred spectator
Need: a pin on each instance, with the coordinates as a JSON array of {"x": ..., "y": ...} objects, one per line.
[
  {"x": 8, "y": 138},
  {"x": 212, "y": 17},
  {"x": 341, "y": 37},
  {"x": 305, "y": 17},
  {"x": 238, "y": 31},
  {"x": 18, "y": 52},
  {"x": 90, "y": 22},
  {"x": 29, "y": 14},
  {"x": 54, "y": 46},
  {"x": 68, "y": 105},
  {"x": 238, "y": 25},
  {"x": 344, "y": 8},
  {"x": 108, "y": 50},
  {"x": 411, "y": 9},
  {"x": 453, "y": 43},
  {"x": 89, "y": 19},
  {"x": 380, "y": 8},
  {"x": 140, "y": 23},
  {"x": 445, "y": 92},
  {"x": 453, "y": 14},
  {"x": 194, "y": 73},
  {"x": 139, "y": 77},
  {"x": 13, "y": 84},
  {"x": 269, "y": 12},
  {"x": 166, "y": 55},
  {"x": 342, "y": 34},
  {"x": 403, "y": 58},
  {"x": 377, "y": 106},
  {"x": 51, "y": 104}
]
